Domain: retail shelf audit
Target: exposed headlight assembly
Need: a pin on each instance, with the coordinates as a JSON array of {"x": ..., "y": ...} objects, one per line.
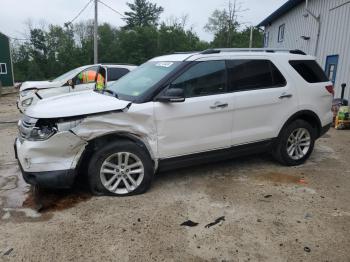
[
  {"x": 42, "y": 133},
  {"x": 27, "y": 102},
  {"x": 28, "y": 91},
  {"x": 42, "y": 129}
]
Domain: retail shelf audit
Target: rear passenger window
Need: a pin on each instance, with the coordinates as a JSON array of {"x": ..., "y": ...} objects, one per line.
[
  {"x": 309, "y": 70},
  {"x": 202, "y": 79},
  {"x": 253, "y": 74},
  {"x": 115, "y": 73}
]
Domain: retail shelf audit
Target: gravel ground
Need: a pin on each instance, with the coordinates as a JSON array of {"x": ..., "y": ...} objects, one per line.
[{"x": 249, "y": 209}]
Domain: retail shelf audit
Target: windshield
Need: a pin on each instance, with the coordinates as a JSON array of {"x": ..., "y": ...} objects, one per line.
[
  {"x": 70, "y": 74},
  {"x": 140, "y": 80}
]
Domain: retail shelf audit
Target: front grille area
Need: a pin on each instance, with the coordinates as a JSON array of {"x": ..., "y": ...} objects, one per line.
[{"x": 25, "y": 126}]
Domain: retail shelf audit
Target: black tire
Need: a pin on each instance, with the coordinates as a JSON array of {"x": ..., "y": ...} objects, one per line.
[
  {"x": 103, "y": 153},
  {"x": 280, "y": 150}
]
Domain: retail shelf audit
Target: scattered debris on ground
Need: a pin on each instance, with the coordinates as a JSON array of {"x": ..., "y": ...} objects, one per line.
[
  {"x": 217, "y": 221},
  {"x": 189, "y": 223}
]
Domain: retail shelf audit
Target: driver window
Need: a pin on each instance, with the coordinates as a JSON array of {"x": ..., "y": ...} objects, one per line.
[
  {"x": 86, "y": 76},
  {"x": 202, "y": 79}
]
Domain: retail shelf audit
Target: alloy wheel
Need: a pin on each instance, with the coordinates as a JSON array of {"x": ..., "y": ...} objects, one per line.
[
  {"x": 298, "y": 143},
  {"x": 121, "y": 173}
]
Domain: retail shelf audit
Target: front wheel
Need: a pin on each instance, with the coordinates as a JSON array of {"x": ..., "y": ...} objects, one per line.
[
  {"x": 122, "y": 168},
  {"x": 295, "y": 143}
]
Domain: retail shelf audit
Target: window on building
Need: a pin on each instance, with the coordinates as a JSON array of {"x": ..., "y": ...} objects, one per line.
[
  {"x": 281, "y": 33},
  {"x": 202, "y": 79},
  {"x": 115, "y": 73},
  {"x": 253, "y": 74},
  {"x": 266, "y": 39},
  {"x": 309, "y": 70},
  {"x": 3, "y": 69}
]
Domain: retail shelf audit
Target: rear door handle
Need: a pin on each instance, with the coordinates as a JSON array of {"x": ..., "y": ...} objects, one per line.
[
  {"x": 285, "y": 95},
  {"x": 219, "y": 105}
]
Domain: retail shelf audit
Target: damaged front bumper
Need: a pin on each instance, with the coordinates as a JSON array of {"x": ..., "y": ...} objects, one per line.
[{"x": 51, "y": 163}]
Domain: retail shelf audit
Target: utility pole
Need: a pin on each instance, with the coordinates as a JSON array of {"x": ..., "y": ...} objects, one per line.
[
  {"x": 251, "y": 37},
  {"x": 95, "y": 35}
]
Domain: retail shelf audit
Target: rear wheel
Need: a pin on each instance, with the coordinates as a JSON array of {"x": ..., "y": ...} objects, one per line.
[
  {"x": 121, "y": 169},
  {"x": 295, "y": 143}
]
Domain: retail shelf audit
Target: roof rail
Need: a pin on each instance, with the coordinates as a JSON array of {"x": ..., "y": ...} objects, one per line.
[
  {"x": 185, "y": 52},
  {"x": 268, "y": 50}
]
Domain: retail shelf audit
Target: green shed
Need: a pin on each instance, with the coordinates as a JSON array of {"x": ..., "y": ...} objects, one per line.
[{"x": 6, "y": 72}]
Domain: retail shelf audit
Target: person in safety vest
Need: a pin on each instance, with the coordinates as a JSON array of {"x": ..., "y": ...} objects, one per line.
[
  {"x": 89, "y": 76},
  {"x": 100, "y": 81}
]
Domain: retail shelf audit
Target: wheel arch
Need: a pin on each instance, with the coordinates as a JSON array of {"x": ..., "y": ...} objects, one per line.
[
  {"x": 308, "y": 116},
  {"x": 97, "y": 142}
]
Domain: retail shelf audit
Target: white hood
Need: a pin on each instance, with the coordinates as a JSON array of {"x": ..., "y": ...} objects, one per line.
[
  {"x": 39, "y": 85},
  {"x": 75, "y": 104}
]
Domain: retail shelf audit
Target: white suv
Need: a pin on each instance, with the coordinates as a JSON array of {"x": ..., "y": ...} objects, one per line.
[
  {"x": 33, "y": 91},
  {"x": 177, "y": 110}
]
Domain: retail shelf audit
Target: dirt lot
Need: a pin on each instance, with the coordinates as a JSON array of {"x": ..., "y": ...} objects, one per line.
[{"x": 265, "y": 212}]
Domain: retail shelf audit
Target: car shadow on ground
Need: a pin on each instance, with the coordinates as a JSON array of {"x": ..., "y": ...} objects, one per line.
[
  {"x": 217, "y": 168},
  {"x": 48, "y": 200}
]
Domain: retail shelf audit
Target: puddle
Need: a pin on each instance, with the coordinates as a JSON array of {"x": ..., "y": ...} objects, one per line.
[
  {"x": 45, "y": 200},
  {"x": 276, "y": 177},
  {"x": 20, "y": 202}
]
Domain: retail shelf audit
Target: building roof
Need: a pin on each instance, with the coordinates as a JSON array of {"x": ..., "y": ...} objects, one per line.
[
  {"x": 4, "y": 35},
  {"x": 290, "y": 4}
]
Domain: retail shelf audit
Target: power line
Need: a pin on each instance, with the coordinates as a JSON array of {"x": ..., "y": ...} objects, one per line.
[
  {"x": 111, "y": 8},
  {"x": 80, "y": 12}
]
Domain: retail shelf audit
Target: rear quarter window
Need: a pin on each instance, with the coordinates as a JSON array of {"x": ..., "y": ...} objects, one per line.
[
  {"x": 309, "y": 70},
  {"x": 250, "y": 74}
]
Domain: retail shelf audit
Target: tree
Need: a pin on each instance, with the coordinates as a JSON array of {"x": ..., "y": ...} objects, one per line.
[
  {"x": 143, "y": 13},
  {"x": 224, "y": 24},
  {"x": 173, "y": 36}
]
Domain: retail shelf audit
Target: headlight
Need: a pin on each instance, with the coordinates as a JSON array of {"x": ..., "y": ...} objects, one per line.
[
  {"x": 42, "y": 133},
  {"x": 27, "y": 102},
  {"x": 42, "y": 129},
  {"x": 27, "y": 92}
]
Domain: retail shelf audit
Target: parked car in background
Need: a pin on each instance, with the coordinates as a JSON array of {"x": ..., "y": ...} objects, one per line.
[
  {"x": 32, "y": 91},
  {"x": 178, "y": 110}
]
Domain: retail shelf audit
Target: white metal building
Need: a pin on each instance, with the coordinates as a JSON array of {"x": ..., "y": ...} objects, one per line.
[{"x": 317, "y": 27}]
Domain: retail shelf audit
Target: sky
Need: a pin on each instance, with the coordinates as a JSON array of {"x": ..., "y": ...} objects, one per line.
[{"x": 15, "y": 14}]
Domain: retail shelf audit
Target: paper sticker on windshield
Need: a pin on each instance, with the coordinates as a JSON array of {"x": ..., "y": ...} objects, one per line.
[{"x": 165, "y": 64}]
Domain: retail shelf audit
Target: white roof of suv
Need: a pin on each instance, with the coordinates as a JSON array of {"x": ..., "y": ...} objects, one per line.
[{"x": 232, "y": 52}]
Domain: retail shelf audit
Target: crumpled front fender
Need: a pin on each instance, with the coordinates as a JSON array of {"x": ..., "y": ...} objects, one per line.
[{"x": 137, "y": 122}]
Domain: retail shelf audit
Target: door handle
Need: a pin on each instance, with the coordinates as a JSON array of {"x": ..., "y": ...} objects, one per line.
[
  {"x": 219, "y": 105},
  {"x": 285, "y": 95}
]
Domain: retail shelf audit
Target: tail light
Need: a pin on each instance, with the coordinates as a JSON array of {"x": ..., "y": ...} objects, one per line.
[{"x": 330, "y": 89}]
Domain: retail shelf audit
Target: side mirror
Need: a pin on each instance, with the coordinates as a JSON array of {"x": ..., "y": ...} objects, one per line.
[
  {"x": 172, "y": 95},
  {"x": 70, "y": 82}
]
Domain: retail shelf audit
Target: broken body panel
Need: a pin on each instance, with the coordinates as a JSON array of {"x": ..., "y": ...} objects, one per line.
[{"x": 77, "y": 124}]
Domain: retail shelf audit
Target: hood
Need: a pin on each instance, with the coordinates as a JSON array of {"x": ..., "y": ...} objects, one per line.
[
  {"x": 39, "y": 85},
  {"x": 75, "y": 104}
]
